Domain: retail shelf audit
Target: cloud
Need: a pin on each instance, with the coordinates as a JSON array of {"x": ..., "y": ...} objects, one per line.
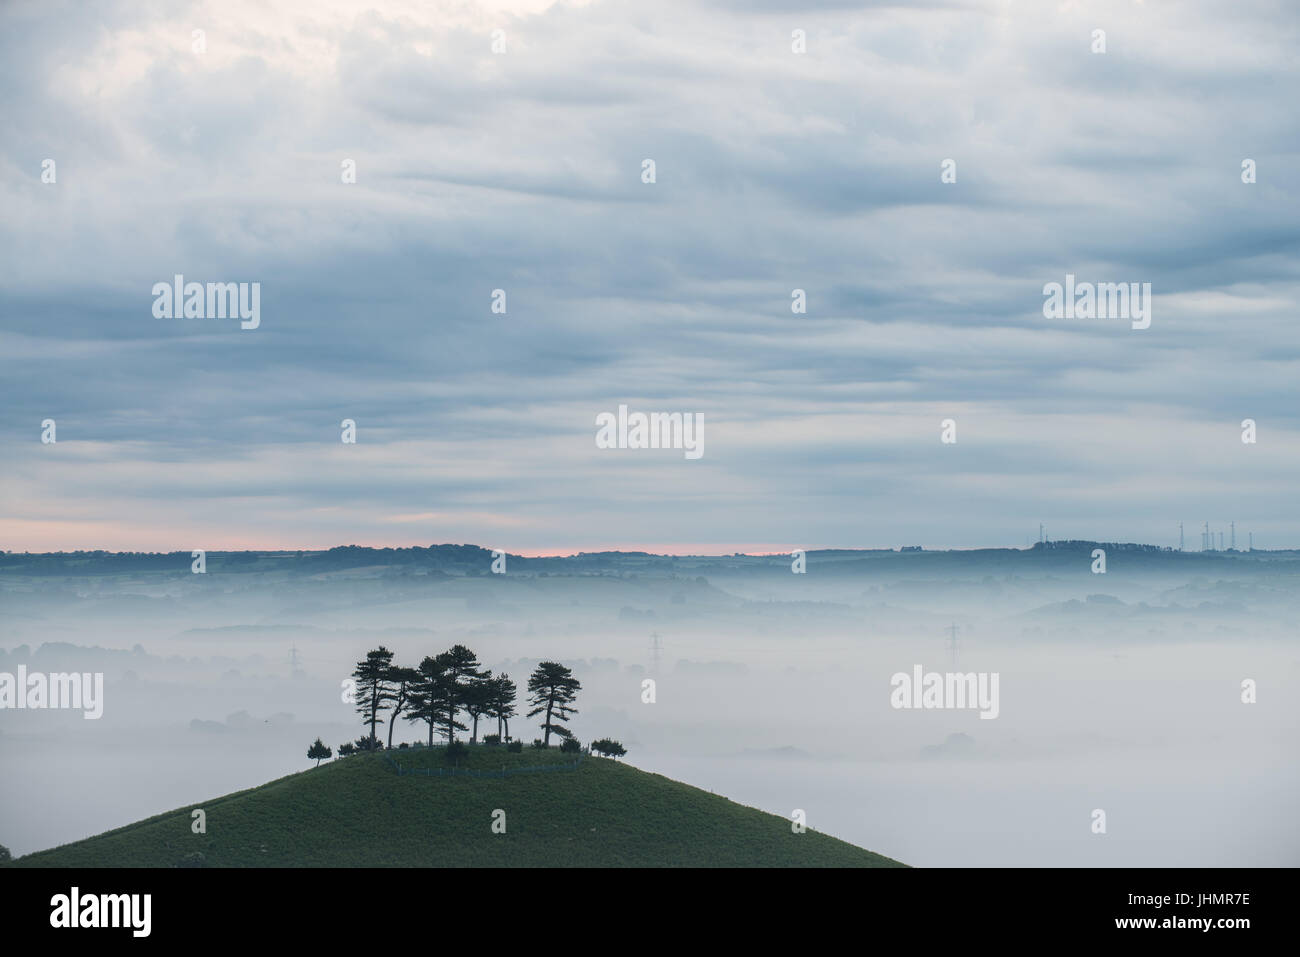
[{"x": 522, "y": 171}]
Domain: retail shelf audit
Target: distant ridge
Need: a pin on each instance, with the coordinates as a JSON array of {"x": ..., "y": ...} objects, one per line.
[{"x": 474, "y": 560}]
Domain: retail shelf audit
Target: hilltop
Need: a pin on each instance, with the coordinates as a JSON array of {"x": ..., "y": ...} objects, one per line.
[{"x": 358, "y": 812}]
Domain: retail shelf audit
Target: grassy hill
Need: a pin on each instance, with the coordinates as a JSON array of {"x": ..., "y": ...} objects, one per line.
[{"x": 358, "y": 812}]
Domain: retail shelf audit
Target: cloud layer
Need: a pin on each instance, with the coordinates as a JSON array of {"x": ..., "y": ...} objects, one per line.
[{"x": 522, "y": 171}]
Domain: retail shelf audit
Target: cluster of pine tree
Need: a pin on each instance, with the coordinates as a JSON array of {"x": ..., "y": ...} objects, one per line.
[{"x": 454, "y": 682}]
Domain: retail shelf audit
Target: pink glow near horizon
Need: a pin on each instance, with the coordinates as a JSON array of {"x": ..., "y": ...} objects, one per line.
[
  {"x": 237, "y": 544},
  {"x": 116, "y": 536}
]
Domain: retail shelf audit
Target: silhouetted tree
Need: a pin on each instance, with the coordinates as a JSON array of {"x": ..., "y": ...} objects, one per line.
[
  {"x": 502, "y": 702},
  {"x": 553, "y": 689},
  {"x": 346, "y": 748},
  {"x": 460, "y": 666},
  {"x": 4, "y": 854},
  {"x": 319, "y": 752},
  {"x": 431, "y": 699},
  {"x": 400, "y": 681},
  {"x": 369, "y": 743},
  {"x": 476, "y": 696},
  {"x": 609, "y": 748},
  {"x": 372, "y": 685}
]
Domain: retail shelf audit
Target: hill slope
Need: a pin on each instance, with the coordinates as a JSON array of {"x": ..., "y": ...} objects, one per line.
[{"x": 358, "y": 812}]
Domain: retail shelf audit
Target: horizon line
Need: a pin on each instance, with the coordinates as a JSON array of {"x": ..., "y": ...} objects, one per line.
[{"x": 710, "y": 550}]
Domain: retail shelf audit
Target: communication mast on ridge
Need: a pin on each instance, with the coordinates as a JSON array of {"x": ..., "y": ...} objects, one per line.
[
  {"x": 952, "y": 642},
  {"x": 655, "y": 649},
  {"x": 1180, "y": 536},
  {"x": 294, "y": 668}
]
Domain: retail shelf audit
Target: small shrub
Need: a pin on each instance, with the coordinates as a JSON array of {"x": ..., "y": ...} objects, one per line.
[
  {"x": 456, "y": 750},
  {"x": 537, "y": 743},
  {"x": 608, "y": 748},
  {"x": 570, "y": 746},
  {"x": 515, "y": 747},
  {"x": 196, "y": 859},
  {"x": 492, "y": 739},
  {"x": 347, "y": 748},
  {"x": 403, "y": 745}
]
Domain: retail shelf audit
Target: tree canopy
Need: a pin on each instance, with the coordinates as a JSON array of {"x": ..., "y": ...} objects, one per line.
[
  {"x": 319, "y": 751},
  {"x": 553, "y": 689}
]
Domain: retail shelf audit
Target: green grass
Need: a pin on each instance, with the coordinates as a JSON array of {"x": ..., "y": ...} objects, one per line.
[
  {"x": 481, "y": 757},
  {"x": 357, "y": 812}
]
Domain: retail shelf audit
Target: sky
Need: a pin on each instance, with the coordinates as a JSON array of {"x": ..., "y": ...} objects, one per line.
[{"x": 222, "y": 158}]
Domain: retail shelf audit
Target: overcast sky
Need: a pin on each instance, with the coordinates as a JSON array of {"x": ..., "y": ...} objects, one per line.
[{"x": 522, "y": 171}]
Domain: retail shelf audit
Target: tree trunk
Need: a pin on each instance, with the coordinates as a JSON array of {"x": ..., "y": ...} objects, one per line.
[
  {"x": 473, "y": 738},
  {"x": 547, "y": 739},
  {"x": 507, "y": 721},
  {"x": 452, "y": 695},
  {"x": 374, "y": 713}
]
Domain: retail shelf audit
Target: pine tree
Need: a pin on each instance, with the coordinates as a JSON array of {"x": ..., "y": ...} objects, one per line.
[
  {"x": 372, "y": 689},
  {"x": 502, "y": 703},
  {"x": 553, "y": 689},
  {"x": 460, "y": 667},
  {"x": 476, "y": 696},
  {"x": 401, "y": 681},
  {"x": 319, "y": 752},
  {"x": 431, "y": 699}
]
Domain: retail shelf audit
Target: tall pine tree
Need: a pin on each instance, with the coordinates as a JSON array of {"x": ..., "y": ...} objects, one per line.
[
  {"x": 553, "y": 689},
  {"x": 501, "y": 702},
  {"x": 401, "y": 681},
  {"x": 460, "y": 666},
  {"x": 372, "y": 690},
  {"x": 476, "y": 696},
  {"x": 431, "y": 699}
]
